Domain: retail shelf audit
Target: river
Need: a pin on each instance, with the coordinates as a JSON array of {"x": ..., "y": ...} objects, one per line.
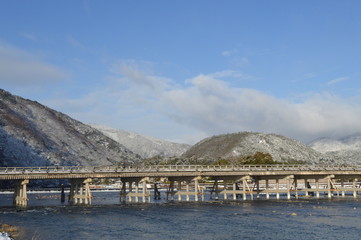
[{"x": 47, "y": 219}]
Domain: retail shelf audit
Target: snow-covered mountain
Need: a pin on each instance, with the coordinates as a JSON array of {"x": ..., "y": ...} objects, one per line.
[
  {"x": 32, "y": 134},
  {"x": 346, "y": 150},
  {"x": 145, "y": 146},
  {"x": 282, "y": 149}
]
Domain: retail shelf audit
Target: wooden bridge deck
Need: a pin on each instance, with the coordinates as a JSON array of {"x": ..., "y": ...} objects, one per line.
[
  {"x": 245, "y": 180},
  {"x": 71, "y": 172}
]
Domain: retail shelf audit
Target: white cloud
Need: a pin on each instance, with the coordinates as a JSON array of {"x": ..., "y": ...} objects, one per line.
[
  {"x": 209, "y": 106},
  {"x": 20, "y": 67},
  {"x": 310, "y": 75},
  {"x": 135, "y": 74},
  {"x": 227, "y": 53},
  {"x": 240, "y": 62},
  {"x": 213, "y": 107},
  {"x": 337, "y": 80},
  {"x": 29, "y": 36},
  {"x": 74, "y": 42},
  {"x": 228, "y": 74}
]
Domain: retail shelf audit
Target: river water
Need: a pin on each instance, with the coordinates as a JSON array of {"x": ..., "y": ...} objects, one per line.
[{"x": 46, "y": 218}]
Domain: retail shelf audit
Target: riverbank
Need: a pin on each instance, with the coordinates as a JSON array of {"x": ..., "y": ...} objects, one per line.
[{"x": 8, "y": 232}]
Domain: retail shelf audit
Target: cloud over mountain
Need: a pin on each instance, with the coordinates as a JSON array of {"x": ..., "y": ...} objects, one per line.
[
  {"x": 206, "y": 105},
  {"x": 20, "y": 67}
]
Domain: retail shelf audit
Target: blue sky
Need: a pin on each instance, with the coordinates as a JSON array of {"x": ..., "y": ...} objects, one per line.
[{"x": 185, "y": 70}]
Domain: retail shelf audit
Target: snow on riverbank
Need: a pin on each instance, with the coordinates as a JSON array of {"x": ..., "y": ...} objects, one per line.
[{"x": 5, "y": 236}]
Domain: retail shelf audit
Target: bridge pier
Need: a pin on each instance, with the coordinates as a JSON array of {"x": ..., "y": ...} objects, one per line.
[
  {"x": 80, "y": 191},
  {"x": 140, "y": 190},
  {"x": 197, "y": 190},
  {"x": 342, "y": 187},
  {"x": 20, "y": 196},
  {"x": 180, "y": 192},
  {"x": 317, "y": 188},
  {"x": 296, "y": 187},
  {"x": 232, "y": 190},
  {"x": 257, "y": 187},
  {"x": 215, "y": 190},
  {"x": 354, "y": 188}
]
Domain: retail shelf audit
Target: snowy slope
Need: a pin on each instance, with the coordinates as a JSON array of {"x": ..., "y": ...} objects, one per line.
[
  {"x": 32, "y": 134},
  {"x": 145, "y": 146},
  {"x": 282, "y": 149},
  {"x": 346, "y": 150}
]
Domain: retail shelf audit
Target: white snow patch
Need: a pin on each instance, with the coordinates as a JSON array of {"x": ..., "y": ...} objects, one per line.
[{"x": 5, "y": 236}]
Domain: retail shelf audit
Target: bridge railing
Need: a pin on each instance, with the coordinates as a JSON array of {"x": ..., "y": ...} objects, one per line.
[{"x": 171, "y": 168}]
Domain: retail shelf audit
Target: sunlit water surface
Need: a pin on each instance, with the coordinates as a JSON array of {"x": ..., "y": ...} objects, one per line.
[{"x": 46, "y": 218}]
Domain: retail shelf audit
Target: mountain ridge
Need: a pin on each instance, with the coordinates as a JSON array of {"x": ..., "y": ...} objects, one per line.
[
  {"x": 32, "y": 134},
  {"x": 344, "y": 150},
  {"x": 145, "y": 146},
  {"x": 243, "y": 144}
]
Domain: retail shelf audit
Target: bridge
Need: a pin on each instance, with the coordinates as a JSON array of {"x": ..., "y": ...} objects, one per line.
[{"x": 191, "y": 181}]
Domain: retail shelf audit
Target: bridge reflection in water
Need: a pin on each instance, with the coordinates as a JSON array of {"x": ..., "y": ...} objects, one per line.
[{"x": 186, "y": 182}]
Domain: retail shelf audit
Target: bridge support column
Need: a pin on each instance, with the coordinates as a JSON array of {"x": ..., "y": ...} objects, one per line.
[
  {"x": 288, "y": 188},
  {"x": 257, "y": 187},
  {"x": 267, "y": 189},
  {"x": 317, "y": 188},
  {"x": 343, "y": 187},
  {"x": 171, "y": 190},
  {"x": 62, "y": 194},
  {"x": 225, "y": 196},
  {"x": 187, "y": 190},
  {"x": 244, "y": 185},
  {"x": 296, "y": 188},
  {"x": 307, "y": 185},
  {"x": 123, "y": 192},
  {"x": 180, "y": 192},
  {"x": 80, "y": 191},
  {"x": 233, "y": 190},
  {"x": 329, "y": 194},
  {"x": 354, "y": 187},
  {"x": 234, "y": 187},
  {"x": 156, "y": 192},
  {"x": 215, "y": 190},
  {"x": 277, "y": 188},
  {"x": 140, "y": 190},
  {"x": 196, "y": 190},
  {"x": 20, "y": 195}
]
